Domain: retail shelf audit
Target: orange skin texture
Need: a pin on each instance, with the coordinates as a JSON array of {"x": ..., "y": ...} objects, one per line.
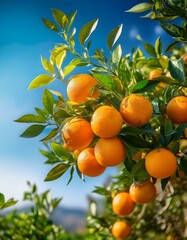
[
  {"x": 184, "y": 56},
  {"x": 142, "y": 193},
  {"x": 79, "y": 88},
  {"x": 136, "y": 110},
  {"x": 122, "y": 204},
  {"x": 106, "y": 122},
  {"x": 176, "y": 109},
  {"x": 155, "y": 73},
  {"x": 121, "y": 230},
  {"x": 109, "y": 152},
  {"x": 87, "y": 163},
  {"x": 160, "y": 163},
  {"x": 77, "y": 133}
]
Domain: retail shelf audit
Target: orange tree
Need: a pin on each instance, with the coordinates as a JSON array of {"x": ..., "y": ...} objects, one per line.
[{"x": 117, "y": 113}]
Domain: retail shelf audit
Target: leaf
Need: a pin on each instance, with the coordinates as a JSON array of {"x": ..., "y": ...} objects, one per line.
[
  {"x": 139, "y": 171},
  {"x": 72, "y": 65},
  {"x": 33, "y": 131},
  {"x": 61, "y": 114},
  {"x": 49, "y": 67},
  {"x": 57, "y": 172},
  {"x": 60, "y": 18},
  {"x": 158, "y": 47},
  {"x": 171, "y": 46},
  {"x": 116, "y": 54},
  {"x": 141, "y": 7},
  {"x": 129, "y": 164},
  {"x": 137, "y": 130},
  {"x": 48, "y": 101},
  {"x": 60, "y": 59},
  {"x": 50, "y": 25},
  {"x": 143, "y": 87},
  {"x": 29, "y": 118},
  {"x": 71, "y": 175},
  {"x": 87, "y": 30},
  {"x": 164, "y": 182},
  {"x": 113, "y": 36},
  {"x": 150, "y": 49},
  {"x": 60, "y": 151},
  {"x": 106, "y": 81},
  {"x": 183, "y": 165},
  {"x": 52, "y": 134},
  {"x": 136, "y": 141},
  {"x": 10, "y": 203},
  {"x": 2, "y": 200},
  {"x": 179, "y": 131},
  {"x": 40, "y": 81},
  {"x": 172, "y": 29},
  {"x": 176, "y": 69},
  {"x": 71, "y": 18}
]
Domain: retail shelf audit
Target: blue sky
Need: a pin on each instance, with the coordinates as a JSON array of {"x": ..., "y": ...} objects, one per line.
[{"x": 23, "y": 39}]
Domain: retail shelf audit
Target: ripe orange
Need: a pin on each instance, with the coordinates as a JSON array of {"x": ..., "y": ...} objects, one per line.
[
  {"x": 77, "y": 133},
  {"x": 155, "y": 73},
  {"x": 160, "y": 163},
  {"x": 79, "y": 88},
  {"x": 106, "y": 122},
  {"x": 142, "y": 193},
  {"x": 88, "y": 164},
  {"x": 136, "y": 110},
  {"x": 122, "y": 204},
  {"x": 121, "y": 230},
  {"x": 184, "y": 56},
  {"x": 109, "y": 151},
  {"x": 177, "y": 109}
]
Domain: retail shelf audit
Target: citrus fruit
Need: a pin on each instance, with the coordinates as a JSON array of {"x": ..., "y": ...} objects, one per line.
[
  {"x": 77, "y": 133},
  {"x": 143, "y": 192},
  {"x": 109, "y": 151},
  {"x": 176, "y": 109},
  {"x": 79, "y": 88},
  {"x": 106, "y": 122},
  {"x": 122, "y": 204},
  {"x": 136, "y": 110},
  {"x": 160, "y": 163},
  {"x": 121, "y": 230},
  {"x": 87, "y": 163},
  {"x": 155, "y": 73}
]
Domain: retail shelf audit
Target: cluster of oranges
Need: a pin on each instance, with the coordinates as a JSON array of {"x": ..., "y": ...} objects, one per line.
[{"x": 105, "y": 124}]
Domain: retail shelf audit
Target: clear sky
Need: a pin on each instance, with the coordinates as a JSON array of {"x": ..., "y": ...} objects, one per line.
[{"x": 23, "y": 39}]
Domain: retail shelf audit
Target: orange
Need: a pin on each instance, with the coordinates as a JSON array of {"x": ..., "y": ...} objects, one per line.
[
  {"x": 79, "y": 88},
  {"x": 66, "y": 147},
  {"x": 109, "y": 151},
  {"x": 184, "y": 56},
  {"x": 121, "y": 230},
  {"x": 136, "y": 110},
  {"x": 122, "y": 204},
  {"x": 155, "y": 73},
  {"x": 106, "y": 122},
  {"x": 143, "y": 192},
  {"x": 87, "y": 163},
  {"x": 77, "y": 133},
  {"x": 176, "y": 109},
  {"x": 160, "y": 163}
]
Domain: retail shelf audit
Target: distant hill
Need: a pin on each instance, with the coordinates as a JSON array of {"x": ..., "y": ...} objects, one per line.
[{"x": 72, "y": 219}]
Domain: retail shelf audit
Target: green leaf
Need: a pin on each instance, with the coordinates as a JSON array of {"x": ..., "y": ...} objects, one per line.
[
  {"x": 179, "y": 131},
  {"x": 49, "y": 67},
  {"x": 29, "y": 118},
  {"x": 71, "y": 18},
  {"x": 113, "y": 36},
  {"x": 150, "y": 49},
  {"x": 87, "y": 30},
  {"x": 172, "y": 29},
  {"x": 171, "y": 46},
  {"x": 139, "y": 171},
  {"x": 2, "y": 200},
  {"x": 116, "y": 54},
  {"x": 136, "y": 141},
  {"x": 60, "y": 151},
  {"x": 10, "y": 203},
  {"x": 106, "y": 81},
  {"x": 57, "y": 172},
  {"x": 137, "y": 130},
  {"x": 158, "y": 47},
  {"x": 33, "y": 131},
  {"x": 61, "y": 114},
  {"x": 52, "y": 134},
  {"x": 48, "y": 101},
  {"x": 40, "y": 81},
  {"x": 164, "y": 182},
  {"x": 71, "y": 175},
  {"x": 176, "y": 68},
  {"x": 73, "y": 64},
  {"x": 143, "y": 87},
  {"x": 60, "y": 59},
  {"x": 141, "y": 7},
  {"x": 60, "y": 18},
  {"x": 50, "y": 25}
]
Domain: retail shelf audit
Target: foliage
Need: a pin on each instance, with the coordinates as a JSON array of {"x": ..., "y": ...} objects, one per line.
[
  {"x": 118, "y": 75},
  {"x": 5, "y": 204}
]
